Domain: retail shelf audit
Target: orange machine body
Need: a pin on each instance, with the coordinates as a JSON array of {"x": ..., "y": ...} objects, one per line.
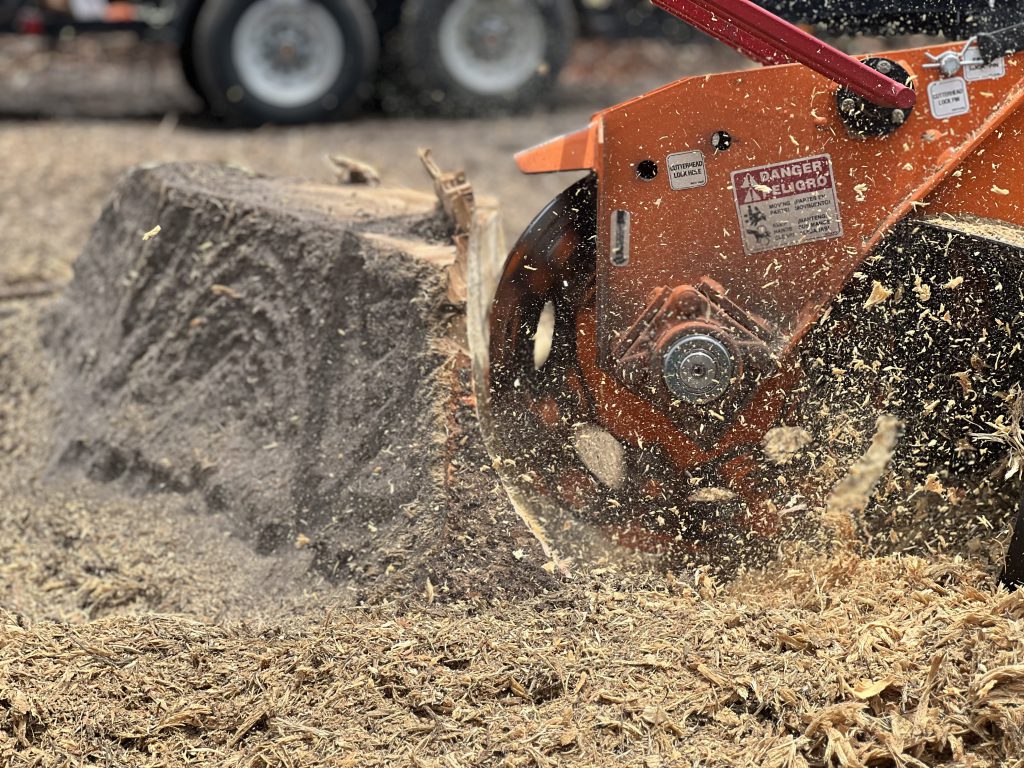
[{"x": 735, "y": 218}]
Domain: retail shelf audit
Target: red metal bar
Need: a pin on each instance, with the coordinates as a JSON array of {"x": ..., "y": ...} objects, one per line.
[{"x": 767, "y": 39}]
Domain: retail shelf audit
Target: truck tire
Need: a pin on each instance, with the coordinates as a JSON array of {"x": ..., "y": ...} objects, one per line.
[
  {"x": 479, "y": 56},
  {"x": 284, "y": 61},
  {"x": 188, "y": 70}
]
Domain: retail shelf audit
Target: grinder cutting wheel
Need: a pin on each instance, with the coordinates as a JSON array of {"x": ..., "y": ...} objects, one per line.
[{"x": 822, "y": 254}]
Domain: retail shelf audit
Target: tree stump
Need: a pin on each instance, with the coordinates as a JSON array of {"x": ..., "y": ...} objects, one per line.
[{"x": 294, "y": 356}]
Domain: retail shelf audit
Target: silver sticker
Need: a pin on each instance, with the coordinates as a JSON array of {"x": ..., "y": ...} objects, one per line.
[
  {"x": 948, "y": 98},
  {"x": 975, "y": 69},
  {"x": 686, "y": 170}
]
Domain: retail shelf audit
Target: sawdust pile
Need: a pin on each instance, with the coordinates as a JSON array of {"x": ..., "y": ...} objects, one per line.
[{"x": 897, "y": 662}]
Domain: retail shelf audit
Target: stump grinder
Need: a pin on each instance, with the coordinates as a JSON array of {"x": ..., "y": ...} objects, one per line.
[{"x": 760, "y": 275}]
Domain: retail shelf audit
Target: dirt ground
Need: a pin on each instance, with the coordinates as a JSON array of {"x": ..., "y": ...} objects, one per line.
[{"x": 141, "y": 630}]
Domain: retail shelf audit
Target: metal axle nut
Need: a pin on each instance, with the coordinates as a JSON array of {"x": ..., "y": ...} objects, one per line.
[{"x": 698, "y": 369}]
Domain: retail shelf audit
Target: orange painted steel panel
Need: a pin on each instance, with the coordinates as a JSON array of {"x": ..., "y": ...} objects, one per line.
[
  {"x": 774, "y": 115},
  {"x": 572, "y": 152},
  {"x": 963, "y": 164},
  {"x": 990, "y": 182}
]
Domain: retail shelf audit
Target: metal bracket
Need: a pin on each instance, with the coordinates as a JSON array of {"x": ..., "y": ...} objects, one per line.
[{"x": 950, "y": 63}]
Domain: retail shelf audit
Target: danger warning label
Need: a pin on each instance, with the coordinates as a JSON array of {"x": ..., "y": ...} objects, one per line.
[{"x": 787, "y": 203}]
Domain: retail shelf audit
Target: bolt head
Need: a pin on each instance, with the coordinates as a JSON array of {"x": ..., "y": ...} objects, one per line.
[
  {"x": 848, "y": 105},
  {"x": 898, "y": 117},
  {"x": 884, "y": 66},
  {"x": 950, "y": 64},
  {"x": 698, "y": 369}
]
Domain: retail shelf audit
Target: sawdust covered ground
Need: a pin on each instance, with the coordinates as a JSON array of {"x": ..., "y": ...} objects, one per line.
[
  {"x": 135, "y": 631},
  {"x": 848, "y": 663}
]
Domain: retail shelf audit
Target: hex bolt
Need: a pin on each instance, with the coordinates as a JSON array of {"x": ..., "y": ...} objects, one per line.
[
  {"x": 848, "y": 105},
  {"x": 898, "y": 117},
  {"x": 950, "y": 64},
  {"x": 884, "y": 66}
]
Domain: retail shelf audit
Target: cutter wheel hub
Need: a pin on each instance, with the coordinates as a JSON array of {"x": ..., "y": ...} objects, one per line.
[
  {"x": 854, "y": 258},
  {"x": 698, "y": 368},
  {"x": 690, "y": 347},
  {"x": 865, "y": 118}
]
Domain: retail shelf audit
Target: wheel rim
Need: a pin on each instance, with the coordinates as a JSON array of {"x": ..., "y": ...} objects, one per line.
[
  {"x": 492, "y": 46},
  {"x": 287, "y": 53}
]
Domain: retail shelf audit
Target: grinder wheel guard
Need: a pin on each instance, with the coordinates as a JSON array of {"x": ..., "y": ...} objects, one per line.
[{"x": 767, "y": 283}]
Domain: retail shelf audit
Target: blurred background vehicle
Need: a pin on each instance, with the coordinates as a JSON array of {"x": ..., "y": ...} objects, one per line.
[{"x": 292, "y": 61}]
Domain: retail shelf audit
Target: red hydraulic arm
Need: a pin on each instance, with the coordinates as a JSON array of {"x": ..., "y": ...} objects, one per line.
[{"x": 767, "y": 39}]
